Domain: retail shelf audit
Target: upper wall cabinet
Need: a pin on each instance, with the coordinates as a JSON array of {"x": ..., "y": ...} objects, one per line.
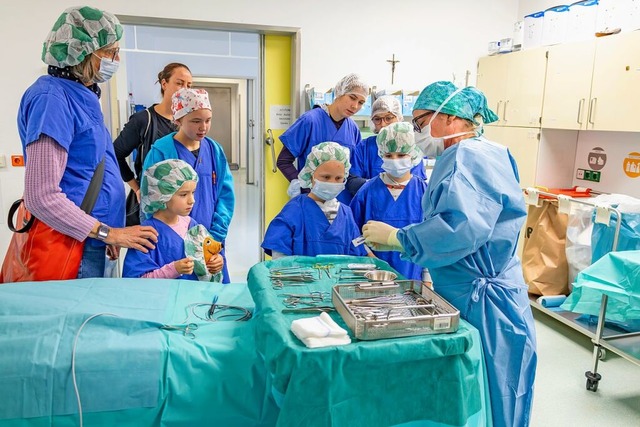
[
  {"x": 514, "y": 86},
  {"x": 594, "y": 85},
  {"x": 615, "y": 89},
  {"x": 568, "y": 86}
]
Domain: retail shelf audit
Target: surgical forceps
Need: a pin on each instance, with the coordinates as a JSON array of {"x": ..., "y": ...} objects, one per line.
[
  {"x": 278, "y": 284},
  {"x": 314, "y": 296},
  {"x": 325, "y": 267},
  {"x": 187, "y": 330},
  {"x": 293, "y": 302}
]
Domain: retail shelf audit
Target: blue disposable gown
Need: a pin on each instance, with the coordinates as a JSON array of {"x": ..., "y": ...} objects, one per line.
[
  {"x": 367, "y": 164},
  {"x": 301, "y": 228},
  {"x": 312, "y": 128},
  {"x": 170, "y": 248},
  {"x": 473, "y": 213},
  {"x": 70, "y": 113},
  {"x": 374, "y": 202},
  {"x": 214, "y": 196}
]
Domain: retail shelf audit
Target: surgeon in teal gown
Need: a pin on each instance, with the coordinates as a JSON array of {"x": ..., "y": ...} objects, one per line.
[{"x": 473, "y": 213}]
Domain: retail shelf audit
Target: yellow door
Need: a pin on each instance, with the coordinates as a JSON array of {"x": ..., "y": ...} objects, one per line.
[{"x": 277, "y": 99}]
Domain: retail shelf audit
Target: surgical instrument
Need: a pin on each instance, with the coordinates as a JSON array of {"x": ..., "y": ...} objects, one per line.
[
  {"x": 314, "y": 295},
  {"x": 301, "y": 310},
  {"x": 187, "y": 330}
]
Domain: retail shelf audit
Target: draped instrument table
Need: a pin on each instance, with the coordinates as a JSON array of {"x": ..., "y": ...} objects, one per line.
[
  {"x": 129, "y": 371},
  {"x": 430, "y": 380}
]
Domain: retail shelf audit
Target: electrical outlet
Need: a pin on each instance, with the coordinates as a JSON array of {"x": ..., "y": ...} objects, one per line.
[
  {"x": 17, "y": 160},
  {"x": 588, "y": 175}
]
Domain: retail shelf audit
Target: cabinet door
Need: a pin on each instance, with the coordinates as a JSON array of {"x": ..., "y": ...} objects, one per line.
[
  {"x": 568, "y": 85},
  {"x": 615, "y": 89},
  {"x": 491, "y": 80},
  {"x": 523, "y": 144},
  {"x": 525, "y": 88}
]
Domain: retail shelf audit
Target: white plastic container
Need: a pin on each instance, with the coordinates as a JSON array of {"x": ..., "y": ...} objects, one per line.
[
  {"x": 608, "y": 15},
  {"x": 554, "y": 30},
  {"x": 581, "y": 24},
  {"x": 518, "y": 35},
  {"x": 533, "y": 24}
]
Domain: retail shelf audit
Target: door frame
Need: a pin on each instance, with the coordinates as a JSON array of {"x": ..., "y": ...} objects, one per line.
[{"x": 255, "y": 124}]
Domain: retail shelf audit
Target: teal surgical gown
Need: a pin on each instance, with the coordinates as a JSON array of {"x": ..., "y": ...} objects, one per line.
[{"x": 473, "y": 212}]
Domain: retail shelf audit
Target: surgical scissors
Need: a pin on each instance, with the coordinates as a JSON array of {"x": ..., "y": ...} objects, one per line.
[{"x": 187, "y": 330}]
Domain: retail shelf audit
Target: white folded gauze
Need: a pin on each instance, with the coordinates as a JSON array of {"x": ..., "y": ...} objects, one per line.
[
  {"x": 312, "y": 342},
  {"x": 317, "y": 327}
]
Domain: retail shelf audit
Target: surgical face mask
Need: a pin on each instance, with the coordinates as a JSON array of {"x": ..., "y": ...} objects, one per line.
[
  {"x": 430, "y": 146},
  {"x": 107, "y": 69},
  {"x": 397, "y": 167},
  {"x": 327, "y": 190}
]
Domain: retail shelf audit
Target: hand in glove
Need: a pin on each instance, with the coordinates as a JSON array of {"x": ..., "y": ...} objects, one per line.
[
  {"x": 381, "y": 236},
  {"x": 294, "y": 188}
]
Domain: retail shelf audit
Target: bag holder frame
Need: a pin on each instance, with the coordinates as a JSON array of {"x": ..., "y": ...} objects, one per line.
[{"x": 603, "y": 216}]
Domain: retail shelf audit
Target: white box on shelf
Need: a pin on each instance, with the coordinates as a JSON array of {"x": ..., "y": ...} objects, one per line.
[
  {"x": 518, "y": 35},
  {"x": 581, "y": 24},
  {"x": 533, "y": 30},
  {"x": 554, "y": 30},
  {"x": 612, "y": 14},
  {"x": 506, "y": 45}
]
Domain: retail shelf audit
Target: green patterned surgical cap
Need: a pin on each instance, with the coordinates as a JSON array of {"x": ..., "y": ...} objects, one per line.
[
  {"x": 322, "y": 153},
  {"x": 399, "y": 138},
  {"x": 78, "y": 32},
  {"x": 161, "y": 181}
]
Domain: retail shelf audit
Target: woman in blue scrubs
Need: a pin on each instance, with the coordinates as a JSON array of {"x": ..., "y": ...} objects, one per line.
[
  {"x": 473, "y": 213},
  {"x": 316, "y": 223},
  {"x": 64, "y": 139},
  {"x": 323, "y": 123},
  {"x": 365, "y": 161},
  {"x": 215, "y": 199},
  {"x": 393, "y": 196}
]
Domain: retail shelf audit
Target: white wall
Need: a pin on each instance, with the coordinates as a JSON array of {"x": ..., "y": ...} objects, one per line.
[{"x": 431, "y": 38}]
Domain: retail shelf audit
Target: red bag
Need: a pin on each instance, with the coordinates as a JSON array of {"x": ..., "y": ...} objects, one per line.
[{"x": 37, "y": 252}]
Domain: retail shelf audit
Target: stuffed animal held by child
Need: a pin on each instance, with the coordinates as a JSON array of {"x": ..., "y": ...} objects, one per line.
[{"x": 201, "y": 247}]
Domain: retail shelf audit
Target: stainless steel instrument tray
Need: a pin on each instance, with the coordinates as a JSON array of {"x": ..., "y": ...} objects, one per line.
[{"x": 397, "y": 308}]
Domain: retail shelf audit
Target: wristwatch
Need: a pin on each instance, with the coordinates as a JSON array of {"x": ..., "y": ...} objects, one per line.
[{"x": 103, "y": 232}]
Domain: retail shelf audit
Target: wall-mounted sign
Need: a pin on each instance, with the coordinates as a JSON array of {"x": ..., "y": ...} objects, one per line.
[
  {"x": 631, "y": 165},
  {"x": 597, "y": 158},
  {"x": 280, "y": 117}
]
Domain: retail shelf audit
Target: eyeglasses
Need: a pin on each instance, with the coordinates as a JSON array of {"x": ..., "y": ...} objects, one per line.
[
  {"x": 414, "y": 121},
  {"x": 111, "y": 53},
  {"x": 386, "y": 119}
]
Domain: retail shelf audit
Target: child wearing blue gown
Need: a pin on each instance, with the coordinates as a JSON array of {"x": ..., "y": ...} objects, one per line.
[
  {"x": 167, "y": 190},
  {"x": 215, "y": 199},
  {"x": 365, "y": 161},
  {"x": 316, "y": 223},
  {"x": 395, "y": 195},
  {"x": 323, "y": 123}
]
